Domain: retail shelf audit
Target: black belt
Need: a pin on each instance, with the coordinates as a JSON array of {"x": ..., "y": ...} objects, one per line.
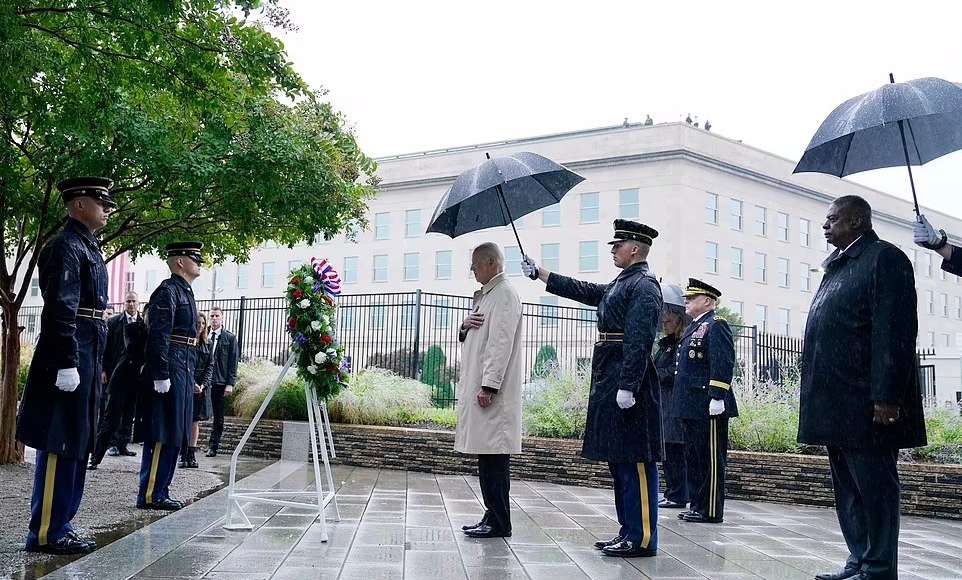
[
  {"x": 92, "y": 313},
  {"x": 611, "y": 336},
  {"x": 184, "y": 340}
]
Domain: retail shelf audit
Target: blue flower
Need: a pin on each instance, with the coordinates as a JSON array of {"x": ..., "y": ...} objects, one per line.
[{"x": 300, "y": 339}]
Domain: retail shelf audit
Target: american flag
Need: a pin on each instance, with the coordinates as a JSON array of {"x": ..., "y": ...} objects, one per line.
[{"x": 327, "y": 275}]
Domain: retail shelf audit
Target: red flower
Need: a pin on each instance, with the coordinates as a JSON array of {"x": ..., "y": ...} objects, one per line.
[
  {"x": 292, "y": 323},
  {"x": 296, "y": 280},
  {"x": 298, "y": 294},
  {"x": 326, "y": 339},
  {"x": 331, "y": 367}
]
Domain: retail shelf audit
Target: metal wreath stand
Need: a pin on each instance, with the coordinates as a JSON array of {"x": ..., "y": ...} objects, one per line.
[{"x": 319, "y": 426}]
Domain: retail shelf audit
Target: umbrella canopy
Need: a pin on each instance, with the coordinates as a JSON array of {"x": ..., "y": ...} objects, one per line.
[{"x": 500, "y": 190}]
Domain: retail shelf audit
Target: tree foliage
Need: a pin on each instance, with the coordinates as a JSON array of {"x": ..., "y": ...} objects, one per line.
[{"x": 545, "y": 361}]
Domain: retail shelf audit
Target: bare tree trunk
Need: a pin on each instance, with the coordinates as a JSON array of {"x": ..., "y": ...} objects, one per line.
[{"x": 11, "y": 451}]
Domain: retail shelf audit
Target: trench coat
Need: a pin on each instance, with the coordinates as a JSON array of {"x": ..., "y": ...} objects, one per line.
[
  {"x": 72, "y": 275},
  {"x": 631, "y": 304},
  {"x": 860, "y": 348},
  {"x": 672, "y": 429},
  {"x": 491, "y": 356}
]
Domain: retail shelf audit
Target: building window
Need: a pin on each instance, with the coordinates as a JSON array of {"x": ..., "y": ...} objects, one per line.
[
  {"x": 761, "y": 221},
  {"x": 761, "y": 268},
  {"x": 941, "y": 274},
  {"x": 382, "y": 226},
  {"x": 293, "y": 265},
  {"x": 958, "y": 307},
  {"x": 588, "y": 256},
  {"x": 590, "y": 209},
  {"x": 130, "y": 282},
  {"x": 346, "y": 318},
  {"x": 711, "y": 257},
  {"x": 549, "y": 310},
  {"x": 408, "y": 319},
  {"x": 351, "y": 268},
  {"x": 711, "y": 208},
  {"x": 784, "y": 277},
  {"x": 944, "y": 304},
  {"x": 735, "y": 216},
  {"x": 442, "y": 313},
  {"x": 412, "y": 267},
  {"x": 512, "y": 260},
  {"x": 551, "y": 257},
  {"x": 932, "y": 339},
  {"x": 243, "y": 275},
  {"x": 31, "y": 323},
  {"x": 628, "y": 204},
  {"x": 551, "y": 216},
  {"x": 930, "y": 302},
  {"x": 267, "y": 275},
  {"x": 784, "y": 327},
  {"x": 378, "y": 317},
  {"x": 412, "y": 223},
  {"x": 35, "y": 286},
  {"x": 738, "y": 307},
  {"x": 806, "y": 277},
  {"x": 737, "y": 263},
  {"x": 804, "y": 232},
  {"x": 442, "y": 264},
  {"x": 927, "y": 264},
  {"x": 782, "y": 225},
  {"x": 380, "y": 268},
  {"x": 761, "y": 317},
  {"x": 947, "y": 339}
]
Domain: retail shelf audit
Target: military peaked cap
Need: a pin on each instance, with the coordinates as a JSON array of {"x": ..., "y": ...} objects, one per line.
[
  {"x": 97, "y": 188},
  {"x": 188, "y": 249},
  {"x": 697, "y": 287},
  {"x": 629, "y": 230}
]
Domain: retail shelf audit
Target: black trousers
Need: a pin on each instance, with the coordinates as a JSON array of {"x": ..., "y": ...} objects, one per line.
[
  {"x": 494, "y": 473},
  {"x": 217, "y": 404},
  {"x": 867, "y": 494},
  {"x": 706, "y": 452},
  {"x": 676, "y": 473},
  {"x": 116, "y": 424}
]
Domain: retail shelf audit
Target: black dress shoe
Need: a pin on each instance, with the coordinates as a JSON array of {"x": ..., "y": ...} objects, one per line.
[
  {"x": 113, "y": 451},
  {"x": 92, "y": 466},
  {"x": 64, "y": 546},
  {"x": 182, "y": 463},
  {"x": 166, "y": 504},
  {"x": 600, "y": 545},
  {"x": 697, "y": 518},
  {"x": 668, "y": 504},
  {"x": 628, "y": 549},
  {"x": 682, "y": 515},
  {"x": 473, "y": 526},
  {"x": 74, "y": 536},
  {"x": 211, "y": 453},
  {"x": 126, "y": 452},
  {"x": 486, "y": 531},
  {"x": 843, "y": 575}
]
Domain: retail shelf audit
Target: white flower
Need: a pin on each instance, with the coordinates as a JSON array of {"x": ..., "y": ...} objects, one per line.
[
  {"x": 316, "y": 324},
  {"x": 305, "y": 303},
  {"x": 320, "y": 358},
  {"x": 312, "y": 369}
]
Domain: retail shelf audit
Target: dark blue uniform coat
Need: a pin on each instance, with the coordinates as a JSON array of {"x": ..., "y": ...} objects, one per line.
[
  {"x": 706, "y": 364},
  {"x": 72, "y": 275},
  {"x": 166, "y": 418},
  {"x": 954, "y": 264},
  {"x": 631, "y": 304},
  {"x": 860, "y": 348}
]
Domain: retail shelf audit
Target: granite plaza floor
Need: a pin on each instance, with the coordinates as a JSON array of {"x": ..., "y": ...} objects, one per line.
[{"x": 406, "y": 526}]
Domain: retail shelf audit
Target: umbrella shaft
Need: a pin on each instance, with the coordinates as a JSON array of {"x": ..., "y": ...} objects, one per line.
[
  {"x": 908, "y": 165},
  {"x": 504, "y": 204}
]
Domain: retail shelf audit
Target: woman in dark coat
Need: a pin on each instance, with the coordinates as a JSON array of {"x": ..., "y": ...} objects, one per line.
[
  {"x": 203, "y": 408},
  {"x": 674, "y": 322}
]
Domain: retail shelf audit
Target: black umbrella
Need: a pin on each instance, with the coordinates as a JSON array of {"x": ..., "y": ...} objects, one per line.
[
  {"x": 499, "y": 191},
  {"x": 898, "y": 124}
]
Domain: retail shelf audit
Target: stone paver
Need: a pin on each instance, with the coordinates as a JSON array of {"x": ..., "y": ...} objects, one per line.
[{"x": 399, "y": 525}]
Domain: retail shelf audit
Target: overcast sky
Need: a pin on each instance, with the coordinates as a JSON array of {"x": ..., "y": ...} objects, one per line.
[{"x": 415, "y": 75}]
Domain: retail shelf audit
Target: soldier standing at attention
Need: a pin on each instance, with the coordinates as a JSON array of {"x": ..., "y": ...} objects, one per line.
[
  {"x": 165, "y": 414},
  {"x": 704, "y": 401},
  {"x": 624, "y": 415},
  {"x": 58, "y": 413}
]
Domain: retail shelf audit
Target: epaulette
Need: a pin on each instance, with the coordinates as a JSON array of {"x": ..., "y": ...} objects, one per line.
[{"x": 721, "y": 318}]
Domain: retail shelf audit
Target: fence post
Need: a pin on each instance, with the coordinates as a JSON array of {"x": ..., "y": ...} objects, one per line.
[
  {"x": 240, "y": 325},
  {"x": 754, "y": 369},
  {"x": 415, "y": 359}
]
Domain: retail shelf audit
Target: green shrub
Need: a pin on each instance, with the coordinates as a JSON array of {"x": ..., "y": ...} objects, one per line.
[
  {"x": 379, "y": 397},
  {"x": 559, "y": 407},
  {"x": 545, "y": 361},
  {"x": 944, "y": 429},
  {"x": 436, "y": 373}
]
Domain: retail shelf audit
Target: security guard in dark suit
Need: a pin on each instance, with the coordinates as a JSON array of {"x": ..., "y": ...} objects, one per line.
[
  {"x": 165, "y": 411},
  {"x": 58, "y": 413},
  {"x": 704, "y": 401}
]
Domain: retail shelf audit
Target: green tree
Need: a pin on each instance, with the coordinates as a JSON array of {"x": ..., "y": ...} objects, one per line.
[
  {"x": 545, "y": 361},
  {"x": 435, "y": 372},
  {"x": 730, "y": 315},
  {"x": 191, "y": 107}
]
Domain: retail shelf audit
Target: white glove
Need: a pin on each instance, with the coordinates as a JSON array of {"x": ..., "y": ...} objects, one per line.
[
  {"x": 927, "y": 236},
  {"x": 529, "y": 268},
  {"x": 68, "y": 380},
  {"x": 625, "y": 399},
  {"x": 716, "y": 407},
  {"x": 162, "y": 386}
]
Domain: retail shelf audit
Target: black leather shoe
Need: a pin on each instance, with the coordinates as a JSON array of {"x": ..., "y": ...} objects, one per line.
[
  {"x": 697, "y": 518},
  {"x": 486, "y": 531},
  {"x": 211, "y": 453},
  {"x": 628, "y": 549},
  {"x": 92, "y": 466},
  {"x": 74, "y": 536},
  {"x": 843, "y": 575},
  {"x": 166, "y": 504},
  {"x": 64, "y": 546},
  {"x": 682, "y": 515},
  {"x": 126, "y": 452},
  {"x": 601, "y": 545},
  {"x": 113, "y": 451},
  {"x": 472, "y": 526},
  {"x": 182, "y": 463},
  {"x": 670, "y": 505}
]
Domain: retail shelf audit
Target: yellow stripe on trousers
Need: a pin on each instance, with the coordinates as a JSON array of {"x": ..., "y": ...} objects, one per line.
[
  {"x": 46, "y": 510},
  {"x": 645, "y": 506},
  {"x": 152, "y": 479},
  {"x": 713, "y": 444}
]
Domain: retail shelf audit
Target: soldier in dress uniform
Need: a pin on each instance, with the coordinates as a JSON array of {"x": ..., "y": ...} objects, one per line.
[
  {"x": 624, "y": 417},
  {"x": 58, "y": 413},
  {"x": 165, "y": 412},
  {"x": 704, "y": 401}
]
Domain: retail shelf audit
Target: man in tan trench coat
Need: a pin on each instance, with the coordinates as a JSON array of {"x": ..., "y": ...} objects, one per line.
[{"x": 489, "y": 391}]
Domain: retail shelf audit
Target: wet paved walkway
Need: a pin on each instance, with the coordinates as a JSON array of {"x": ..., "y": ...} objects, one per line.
[{"x": 406, "y": 526}]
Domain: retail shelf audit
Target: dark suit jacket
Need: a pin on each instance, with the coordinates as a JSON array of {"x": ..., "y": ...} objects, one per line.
[
  {"x": 116, "y": 346},
  {"x": 225, "y": 358}
]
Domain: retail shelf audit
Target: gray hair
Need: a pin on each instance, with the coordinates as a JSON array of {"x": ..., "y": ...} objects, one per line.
[{"x": 491, "y": 251}]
